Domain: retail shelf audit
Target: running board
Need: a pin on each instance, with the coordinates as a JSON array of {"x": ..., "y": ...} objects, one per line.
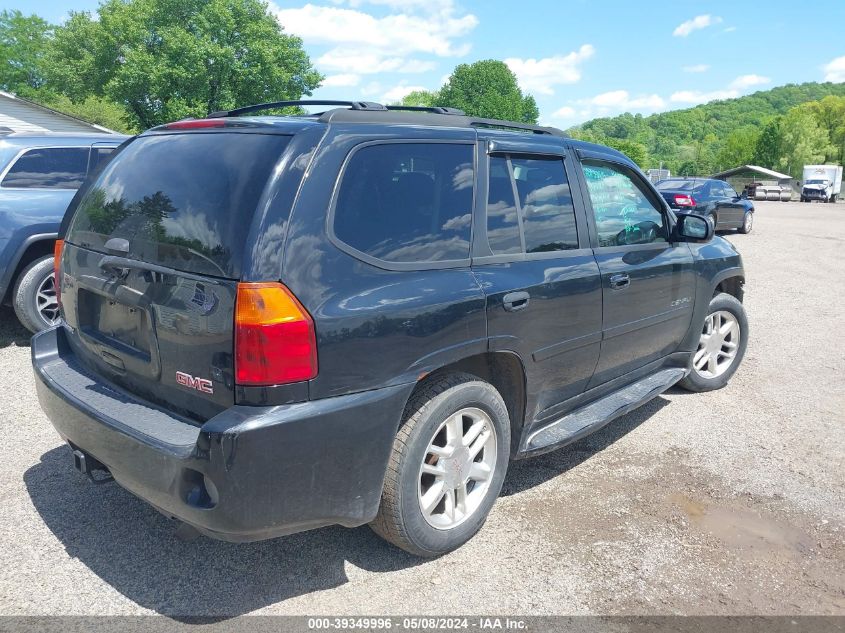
[{"x": 592, "y": 417}]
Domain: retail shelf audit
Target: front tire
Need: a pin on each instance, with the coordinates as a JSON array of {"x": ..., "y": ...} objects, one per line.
[
  {"x": 446, "y": 470},
  {"x": 721, "y": 348},
  {"x": 34, "y": 296}
]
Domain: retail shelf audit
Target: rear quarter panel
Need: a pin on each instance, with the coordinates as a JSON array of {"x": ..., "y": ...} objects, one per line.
[{"x": 375, "y": 327}]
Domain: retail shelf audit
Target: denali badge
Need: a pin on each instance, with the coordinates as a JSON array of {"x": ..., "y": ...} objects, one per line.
[{"x": 192, "y": 382}]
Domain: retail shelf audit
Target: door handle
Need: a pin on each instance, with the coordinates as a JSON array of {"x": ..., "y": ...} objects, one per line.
[
  {"x": 515, "y": 301},
  {"x": 622, "y": 280}
]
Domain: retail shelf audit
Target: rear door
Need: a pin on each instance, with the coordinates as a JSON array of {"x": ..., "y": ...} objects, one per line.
[
  {"x": 532, "y": 258},
  {"x": 648, "y": 283},
  {"x": 151, "y": 262},
  {"x": 730, "y": 210}
]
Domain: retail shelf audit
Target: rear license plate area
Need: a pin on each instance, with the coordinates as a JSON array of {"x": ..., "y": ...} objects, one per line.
[{"x": 123, "y": 327}]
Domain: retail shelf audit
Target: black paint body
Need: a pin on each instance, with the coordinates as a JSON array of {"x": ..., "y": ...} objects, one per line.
[{"x": 297, "y": 456}]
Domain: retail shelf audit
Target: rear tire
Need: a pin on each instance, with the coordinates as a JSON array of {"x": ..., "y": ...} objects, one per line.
[
  {"x": 445, "y": 421},
  {"x": 34, "y": 296},
  {"x": 747, "y": 223},
  {"x": 724, "y": 338}
]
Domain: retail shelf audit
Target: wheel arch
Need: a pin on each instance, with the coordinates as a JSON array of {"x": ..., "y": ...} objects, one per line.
[
  {"x": 502, "y": 369},
  {"x": 32, "y": 248},
  {"x": 731, "y": 282}
]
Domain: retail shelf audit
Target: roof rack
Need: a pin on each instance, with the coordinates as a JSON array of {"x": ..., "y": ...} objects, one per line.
[
  {"x": 432, "y": 109},
  {"x": 353, "y": 105},
  {"x": 496, "y": 124}
]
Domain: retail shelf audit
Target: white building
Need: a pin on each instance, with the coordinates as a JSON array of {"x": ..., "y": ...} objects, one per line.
[{"x": 20, "y": 115}]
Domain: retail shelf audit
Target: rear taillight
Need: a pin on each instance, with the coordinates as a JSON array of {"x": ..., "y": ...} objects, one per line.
[
  {"x": 684, "y": 201},
  {"x": 275, "y": 341},
  {"x": 57, "y": 268}
]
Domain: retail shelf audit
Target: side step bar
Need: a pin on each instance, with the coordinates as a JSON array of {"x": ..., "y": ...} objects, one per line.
[{"x": 592, "y": 417}]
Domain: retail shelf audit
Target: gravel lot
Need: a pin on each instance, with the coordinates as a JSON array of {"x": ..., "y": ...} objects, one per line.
[{"x": 722, "y": 503}]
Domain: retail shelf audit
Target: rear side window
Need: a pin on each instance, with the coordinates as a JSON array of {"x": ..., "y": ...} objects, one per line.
[
  {"x": 407, "y": 202},
  {"x": 99, "y": 155},
  {"x": 48, "y": 168},
  {"x": 543, "y": 207},
  {"x": 181, "y": 200}
]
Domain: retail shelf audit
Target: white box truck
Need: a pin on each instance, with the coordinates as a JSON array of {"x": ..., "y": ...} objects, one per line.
[{"x": 821, "y": 182}]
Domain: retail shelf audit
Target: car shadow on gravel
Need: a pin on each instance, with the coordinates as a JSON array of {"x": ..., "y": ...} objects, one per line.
[
  {"x": 528, "y": 473},
  {"x": 133, "y": 548},
  {"x": 11, "y": 331}
]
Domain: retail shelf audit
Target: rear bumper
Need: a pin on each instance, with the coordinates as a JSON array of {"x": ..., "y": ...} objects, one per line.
[{"x": 249, "y": 473}]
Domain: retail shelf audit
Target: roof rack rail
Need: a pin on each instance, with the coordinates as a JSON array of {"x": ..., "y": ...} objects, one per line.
[
  {"x": 432, "y": 109},
  {"x": 352, "y": 105},
  {"x": 512, "y": 125}
]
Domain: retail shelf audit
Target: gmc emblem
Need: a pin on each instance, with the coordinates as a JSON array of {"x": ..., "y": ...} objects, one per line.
[{"x": 193, "y": 382}]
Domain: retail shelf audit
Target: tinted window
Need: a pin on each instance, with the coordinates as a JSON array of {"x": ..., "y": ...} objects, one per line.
[
  {"x": 407, "y": 202},
  {"x": 624, "y": 213},
  {"x": 502, "y": 223},
  {"x": 99, "y": 155},
  {"x": 545, "y": 203},
  {"x": 182, "y": 200},
  {"x": 49, "y": 168}
]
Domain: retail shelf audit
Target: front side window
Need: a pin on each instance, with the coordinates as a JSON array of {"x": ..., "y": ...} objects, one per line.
[
  {"x": 48, "y": 168},
  {"x": 624, "y": 213},
  {"x": 407, "y": 202}
]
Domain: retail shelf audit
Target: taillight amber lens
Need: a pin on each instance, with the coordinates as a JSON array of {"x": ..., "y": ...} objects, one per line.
[
  {"x": 275, "y": 340},
  {"x": 57, "y": 265}
]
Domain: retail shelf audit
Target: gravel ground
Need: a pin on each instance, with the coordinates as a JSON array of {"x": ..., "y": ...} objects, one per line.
[{"x": 723, "y": 503}]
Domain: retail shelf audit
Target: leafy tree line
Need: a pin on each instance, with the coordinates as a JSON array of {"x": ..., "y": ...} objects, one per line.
[
  {"x": 140, "y": 63},
  {"x": 783, "y": 129}
]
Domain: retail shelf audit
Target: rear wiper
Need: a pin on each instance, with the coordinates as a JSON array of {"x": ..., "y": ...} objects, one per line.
[{"x": 120, "y": 267}]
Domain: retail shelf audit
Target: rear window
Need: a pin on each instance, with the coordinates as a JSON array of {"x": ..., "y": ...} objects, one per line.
[
  {"x": 48, "y": 168},
  {"x": 407, "y": 202},
  {"x": 181, "y": 200}
]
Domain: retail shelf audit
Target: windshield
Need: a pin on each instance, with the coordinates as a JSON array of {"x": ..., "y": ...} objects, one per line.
[
  {"x": 815, "y": 182},
  {"x": 181, "y": 200}
]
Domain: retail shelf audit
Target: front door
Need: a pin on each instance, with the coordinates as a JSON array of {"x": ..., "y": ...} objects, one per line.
[
  {"x": 648, "y": 283},
  {"x": 533, "y": 261}
]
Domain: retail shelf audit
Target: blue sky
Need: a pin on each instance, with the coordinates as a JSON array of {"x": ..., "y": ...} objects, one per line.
[{"x": 579, "y": 58}]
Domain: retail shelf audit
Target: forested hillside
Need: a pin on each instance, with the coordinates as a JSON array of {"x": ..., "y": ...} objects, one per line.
[{"x": 780, "y": 128}]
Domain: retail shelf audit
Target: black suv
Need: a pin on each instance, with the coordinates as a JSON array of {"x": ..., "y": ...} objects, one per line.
[{"x": 276, "y": 323}]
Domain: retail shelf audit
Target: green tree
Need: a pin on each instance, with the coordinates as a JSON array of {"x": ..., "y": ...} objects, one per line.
[
  {"x": 23, "y": 45},
  {"x": 97, "y": 110},
  {"x": 738, "y": 148},
  {"x": 803, "y": 141},
  {"x": 488, "y": 89},
  {"x": 767, "y": 148},
  {"x": 424, "y": 98},
  {"x": 830, "y": 114},
  {"x": 170, "y": 59}
]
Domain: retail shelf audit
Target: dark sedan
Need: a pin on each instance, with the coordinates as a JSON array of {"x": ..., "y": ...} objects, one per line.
[{"x": 714, "y": 198}]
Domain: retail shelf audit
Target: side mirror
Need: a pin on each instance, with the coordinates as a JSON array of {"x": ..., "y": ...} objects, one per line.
[
  {"x": 744, "y": 195},
  {"x": 694, "y": 228}
]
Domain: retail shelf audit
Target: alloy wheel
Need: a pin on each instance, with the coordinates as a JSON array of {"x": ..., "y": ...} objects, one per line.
[
  {"x": 46, "y": 301},
  {"x": 457, "y": 468},
  {"x": 718, "y": 345}
]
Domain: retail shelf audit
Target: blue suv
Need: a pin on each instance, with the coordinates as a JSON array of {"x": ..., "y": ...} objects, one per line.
[
  {"x": 362, "y": 315},
  {"x": 39, "y": 174}
]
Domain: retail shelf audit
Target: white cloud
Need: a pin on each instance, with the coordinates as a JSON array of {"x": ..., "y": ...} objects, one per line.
[
  {"x": 342, "y": 80},
  {"x": 729, "y": 29},
  {"x": 566, "y": 112},
  {"x": 746, "y": 81},
  {"x": 372, "y": 88},
  {"x": 698, "y": 22},
  {"x": 835, "y": 70},
  {"x": 541, "y": 75},
  {"x": 696, "y": 68},
  {"x": 697, "y": 96},
  {"x": 734, "y": 89},
  {"x": 621, "y": 100},
  {"x": 361, "y": 61},
  {"x": 397, "y": 93}
]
